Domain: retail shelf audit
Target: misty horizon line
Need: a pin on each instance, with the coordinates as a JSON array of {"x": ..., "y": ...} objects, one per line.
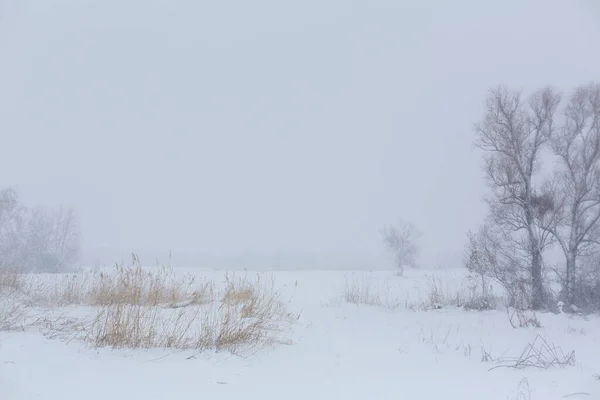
[{"x": 257, "y": 260}]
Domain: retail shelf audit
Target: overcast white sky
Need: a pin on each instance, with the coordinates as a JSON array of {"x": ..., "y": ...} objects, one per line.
[{"x": 269, "y": 126}]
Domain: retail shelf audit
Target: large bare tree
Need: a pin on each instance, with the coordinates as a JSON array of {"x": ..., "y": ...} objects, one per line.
[
  {"x": 577, "y": 145},
  {"x": 513, "y": 135}
]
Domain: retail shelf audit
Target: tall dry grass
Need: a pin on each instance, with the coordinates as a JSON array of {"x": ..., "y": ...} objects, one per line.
[
  {"x": 10, "y": 280},
  {"x": 12, "y": 312},
  {"x": 371, "y": 292},
  {"x": 130, "y": 284},
  {"x": 136, "y": 307},
  {"x": 437, "y": 294},
  {"x": 245, "y": 313},
  {"x": 362, "y": 291}
]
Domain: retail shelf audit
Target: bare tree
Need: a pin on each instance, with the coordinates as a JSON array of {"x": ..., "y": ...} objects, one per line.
[
  {"x": 577, "y": 145},
  {"x": 401, "y": 241},
  {"x": 11, "y": 221},
  {"x": 37, "y": 240},
  {"x": 513, "y": 134},
  {"x": 51, "y": 240}
]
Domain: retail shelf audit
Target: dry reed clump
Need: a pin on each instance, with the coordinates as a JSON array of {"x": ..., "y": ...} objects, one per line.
[
  {"x": 132, "y": 285},
  {"x": 135, "y": 285},
  {"x": 137, "y": 307},
  {"x": 12, "y": 311},
  {"x": 368, "y": 291},
  {"x": 251, "y": 312},
  {"x": 238, "y": 291},
  {"x": 12, "y": 314},
  {"x": 247, "y": 314},
  {"x": 440, "y": 295},
  {"x": 10, "y": 280},
  {"x": 362, "y": 292},
  {"x": 135, "y": 326},
  {"x": 58, "y": 290}
]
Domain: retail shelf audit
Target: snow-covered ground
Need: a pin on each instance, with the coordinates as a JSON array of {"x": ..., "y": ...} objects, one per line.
[{"x": 339, "y": 351}]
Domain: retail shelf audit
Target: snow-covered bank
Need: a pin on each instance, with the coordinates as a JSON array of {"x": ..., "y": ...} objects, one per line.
[{"x": 339, "y": 350}]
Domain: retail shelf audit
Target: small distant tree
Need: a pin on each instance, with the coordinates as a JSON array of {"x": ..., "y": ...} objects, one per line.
[{"x": 401, "y": 241}]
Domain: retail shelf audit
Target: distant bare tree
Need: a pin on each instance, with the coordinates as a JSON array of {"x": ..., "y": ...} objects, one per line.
[
  {"x": 513, "y": 134},
  {"x": 11, "y": 221},
  {"x": 37, "y": 240},
  {"x": 9, "y": 203},
  {"x": 401, "y": 241},
  {"x": 577, "y": 144},
  {"x": 52, "y": 240}
]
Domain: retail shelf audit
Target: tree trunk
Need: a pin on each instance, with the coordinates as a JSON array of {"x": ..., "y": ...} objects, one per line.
[
  {"x": 538, "y": 297},
  {"x": 570, "y": 276}
]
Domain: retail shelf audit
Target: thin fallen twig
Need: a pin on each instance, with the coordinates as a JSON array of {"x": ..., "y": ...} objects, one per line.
[{"x": 538, "y": 354}]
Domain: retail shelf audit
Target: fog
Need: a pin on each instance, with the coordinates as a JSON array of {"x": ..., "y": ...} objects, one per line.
[{"x": 282, "y": 132}]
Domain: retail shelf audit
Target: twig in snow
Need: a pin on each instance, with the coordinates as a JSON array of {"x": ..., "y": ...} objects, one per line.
[{"x": 538, "y": 354}]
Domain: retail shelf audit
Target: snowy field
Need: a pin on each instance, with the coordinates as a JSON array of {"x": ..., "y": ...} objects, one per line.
[{"x": 398, "y": 346}]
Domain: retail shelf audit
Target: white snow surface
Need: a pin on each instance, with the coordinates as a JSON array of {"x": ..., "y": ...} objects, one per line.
[{"x": 339, "y": 351}]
